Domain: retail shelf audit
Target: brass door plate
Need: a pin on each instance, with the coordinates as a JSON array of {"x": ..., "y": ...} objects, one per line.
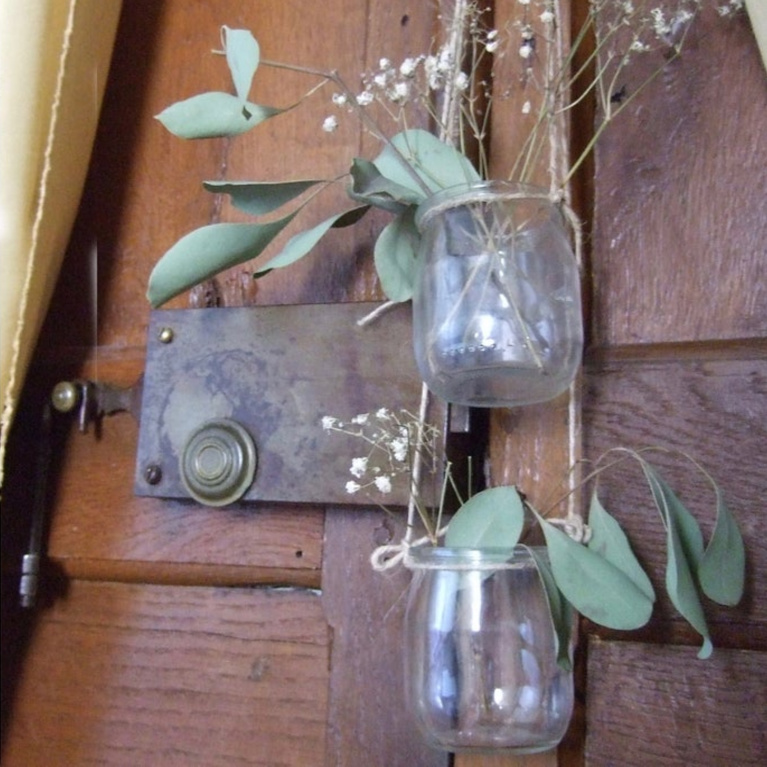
[{"x": 274, "y": 372}]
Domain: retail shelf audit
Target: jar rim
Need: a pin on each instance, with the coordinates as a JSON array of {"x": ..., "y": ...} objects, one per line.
[
  {"x": 494, "y": 189},
  {"x": 439, "y": 557}
]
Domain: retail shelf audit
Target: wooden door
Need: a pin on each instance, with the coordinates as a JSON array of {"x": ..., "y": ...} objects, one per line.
[
  {"x": 679, "y": 358},
  {"x": 175, "y": 635}
]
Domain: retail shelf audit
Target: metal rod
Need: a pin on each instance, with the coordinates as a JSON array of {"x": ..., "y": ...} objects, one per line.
[{"x": 30, "y": 563}]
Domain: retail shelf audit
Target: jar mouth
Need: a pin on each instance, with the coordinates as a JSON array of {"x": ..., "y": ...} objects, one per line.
[
  {"x": 436, "y": 557},
  {"x": 476, "y": 191}
]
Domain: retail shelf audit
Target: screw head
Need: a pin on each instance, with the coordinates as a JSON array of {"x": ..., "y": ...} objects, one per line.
[
  {"x": 153, "y": 474},
  {"x": 165, "y": 336}
]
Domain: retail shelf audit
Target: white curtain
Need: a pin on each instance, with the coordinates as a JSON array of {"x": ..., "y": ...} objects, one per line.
[
  {"x": 757, "y": 11},
  {"x": 54, "y": 61}
]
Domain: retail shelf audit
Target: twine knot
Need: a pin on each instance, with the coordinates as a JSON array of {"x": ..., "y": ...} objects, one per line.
[
  {"x": 574, "y": 526},
  {"x": 389, "y": 556}
]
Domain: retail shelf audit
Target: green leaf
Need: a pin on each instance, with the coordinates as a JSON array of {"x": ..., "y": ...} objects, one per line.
[
  {"x": 300, "y": 244},
  {"x": 205, "y": 252},
  {"x": 395, "y": 256},
  {"x": 595, "y": 587},
  {"x": 369, "y": 186},
  {"x": 214, "y": 114},
  {"x": 672, "y": 510},
  {"x": 682, "y": 591},
  {"x": 723, "y": 568},
  {"x": 609, "y": 541},
  {"x": 242, "y": 56},
  {"x": 260, "y": 197},
  {"x": 436, "y": 163},
  {"x": 492, "y": 518},
  {"x": 684, "y": 543},
  {"x": 560, "y": 609}
]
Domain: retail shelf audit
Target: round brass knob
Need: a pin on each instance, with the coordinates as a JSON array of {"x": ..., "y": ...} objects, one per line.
[{"x": 218, "y": 462}]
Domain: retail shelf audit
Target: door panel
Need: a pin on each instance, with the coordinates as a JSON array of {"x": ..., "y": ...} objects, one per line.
[
  {"x": 679, "y": 359},
  {"x": 660, "y": 705},
  {"x": 679, "y": 225},
  {"x": 166, "y": 645},
  {"x": 140, "y": 674}
]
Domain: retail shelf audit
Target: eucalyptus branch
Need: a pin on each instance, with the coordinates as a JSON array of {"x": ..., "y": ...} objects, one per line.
[{"x": 447, "y": 84}]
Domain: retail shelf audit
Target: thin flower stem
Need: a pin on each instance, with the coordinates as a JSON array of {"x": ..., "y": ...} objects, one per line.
[
  {"x": 626, "y": 454},
  {"x": 369, "y": 123},
  {"x": 605, "y": 122}
]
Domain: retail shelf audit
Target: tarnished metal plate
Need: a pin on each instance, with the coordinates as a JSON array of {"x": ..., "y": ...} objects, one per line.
[{"x": 276, "y": 371}]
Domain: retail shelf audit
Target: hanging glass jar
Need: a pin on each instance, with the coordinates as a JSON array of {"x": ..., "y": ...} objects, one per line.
[
  {"x": 481, "y": 669},
  {"x": 497, "y": 307}
]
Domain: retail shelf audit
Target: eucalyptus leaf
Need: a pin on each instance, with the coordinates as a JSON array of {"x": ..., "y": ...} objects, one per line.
[
  {"x": 437, "y": 164},
  {"x": 370, "y": 186},
  {"x": 242, "y": 56},
  {"x": 300, "y": 244},
  {"x": 673, "y": 511},
  {"x": 492, "y": 518},
  {"x": 395, "y": 256},
  {"x": 609, "y": 541},
  {"x": 205, "y": 252},
  {"x": 682, "y": 591},
  {"x": 560, "y": 609},
  {"x": 684, "y": 544},
  {"x": 260, "y": 197},
  {"x": 722, "y": 570},
  {"x": 214, "y": 114},
  {"x": 594, "y": 586}
]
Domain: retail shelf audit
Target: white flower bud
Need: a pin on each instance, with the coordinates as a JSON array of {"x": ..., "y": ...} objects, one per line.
[
  {"x": 365, "y": 98},
  {"x": 383, "y": 483},
  {"x": 408, "y": 67},
  {"x": 329, "y": 124}
]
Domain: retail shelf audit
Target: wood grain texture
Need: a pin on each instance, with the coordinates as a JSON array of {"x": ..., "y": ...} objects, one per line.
[
  {"x": 712, "y": 410},
  {"x": 660, "y": 705},
  {"x": 367, "y": 720},
  {"x": 679, "y": 229},
  {"x": 128, "y": 675}
]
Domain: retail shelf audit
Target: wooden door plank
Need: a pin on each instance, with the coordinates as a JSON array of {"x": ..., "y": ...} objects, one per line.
[
  {"x": 122, "y": 674},
  {"x": 367, "y": 722},
  {"x": 660, "y": 705},
  {"x": 679, "y": 227}
]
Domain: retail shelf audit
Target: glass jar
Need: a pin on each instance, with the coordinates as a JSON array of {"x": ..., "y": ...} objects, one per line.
[
  {"x": 496, "y": 305},
  {"x": 481, "y": 670}
]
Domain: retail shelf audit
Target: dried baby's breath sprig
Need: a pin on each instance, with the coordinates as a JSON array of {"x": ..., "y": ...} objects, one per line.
[
  {"x": 393, "y": 441},
  {"x": 613, "y": 35}
]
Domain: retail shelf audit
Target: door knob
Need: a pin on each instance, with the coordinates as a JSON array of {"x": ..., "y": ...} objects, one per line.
[{"x": 218, "y": 462}]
